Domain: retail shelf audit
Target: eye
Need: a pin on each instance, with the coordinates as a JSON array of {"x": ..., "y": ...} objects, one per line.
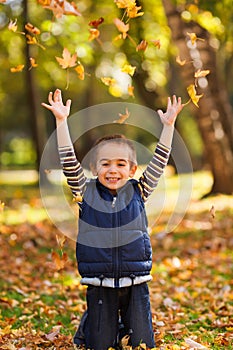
[
  {"x": 105, "y": 164},
  {"x": 121, "y": 164}
]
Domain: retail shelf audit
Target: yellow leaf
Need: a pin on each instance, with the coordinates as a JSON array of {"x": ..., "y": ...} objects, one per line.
[
  {"x": 123, "y": 4},
  {"x": 179, "y": 61},
  {"x": 108, "y": 81},
  {"x": 127, "y": 68},
  {"x": 201, "y": 73},
  {"x": 33, "y": 62},
  {"x": 13, "y": 26},
  {"x": 67, "y": 59},
  {"x": 94, "y": 34},
  {"x": 78, "y": 198},
  {"x": 18, "y": 68},
  {"x": 2, "y": 205},
  {"x": 193, "y": 94},
  {"x": 193, "y": 37},
  {"x": 133, "y": 12},
  {"x": 80, "y": 70}
]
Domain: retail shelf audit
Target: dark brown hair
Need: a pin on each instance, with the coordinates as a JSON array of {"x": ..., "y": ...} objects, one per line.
[{"x": 118, "y": 139}]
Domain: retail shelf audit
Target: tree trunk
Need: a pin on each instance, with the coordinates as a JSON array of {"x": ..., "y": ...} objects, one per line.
[
  {"x": 38, "y": 125},
  {"x": 214, "y": 115}
]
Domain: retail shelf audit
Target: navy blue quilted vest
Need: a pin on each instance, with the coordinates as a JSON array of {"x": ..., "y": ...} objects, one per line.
[{"x": 113, "y": 240}]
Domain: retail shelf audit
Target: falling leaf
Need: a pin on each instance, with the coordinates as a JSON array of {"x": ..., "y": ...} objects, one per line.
[
  {"x": 127, "y": 68},
  {"x": 212, "y": 212},
  {"x": 13, "y": 26},
  {"x": 32, "y": 29},
  {"x": 32, "y": 40},
  {"x": 96, "y": 23},
  {"x": 142, "y": 46},
  {"x": 80, "y": 71},
  {"x": 94, "y": 34},
  {"x": 201, "y": 73},
  {"x": 156, "y": 43},
  {"x": 78, "y": 198},
  {"x": 2, "y": 205},
  {"x": 131, "y": 90},
  {"x": 33, "y": 63},
  {"x": 108, "y": 81},
  {"x": 123, "y": 4},
  {"x": 18, "y": 68},
  {"x": 123, "y": 117},
  {"x": 67, "y": 59},
  {"x": 58, "y": 261},
  {"x": 180, "y": 61},
  {"x": 122, "y": 27},
  {"x": 60, "y": 7},
  {"x": 193, "y": 37},
  {"x": 193, "y": 94},
  {"x": 133, "y": 12},
  {"x": 61, "y": 240},
  {"x": 47, "y": 171}
]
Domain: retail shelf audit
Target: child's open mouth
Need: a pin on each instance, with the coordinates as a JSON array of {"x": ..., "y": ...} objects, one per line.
[{"x": 112, "y": 180}]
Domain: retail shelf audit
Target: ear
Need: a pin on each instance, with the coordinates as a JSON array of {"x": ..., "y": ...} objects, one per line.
[
  {"x": 133, "y": 170},
  {"x": 93, "y": 169}
]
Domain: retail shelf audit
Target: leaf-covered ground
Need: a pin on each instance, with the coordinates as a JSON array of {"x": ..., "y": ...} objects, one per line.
[{"x": 41, "y": 299}]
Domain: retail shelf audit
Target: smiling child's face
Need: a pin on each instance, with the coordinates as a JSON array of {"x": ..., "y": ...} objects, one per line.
[{"x": 114, "y": 165}]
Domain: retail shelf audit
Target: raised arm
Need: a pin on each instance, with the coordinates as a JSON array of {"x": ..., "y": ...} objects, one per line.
[
  {"x": 150, "y": 177},
  {"x": 71, "y": 167}
]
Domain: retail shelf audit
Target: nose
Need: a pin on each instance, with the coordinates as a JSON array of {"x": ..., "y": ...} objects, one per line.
[{"x": 112, "y": 169}]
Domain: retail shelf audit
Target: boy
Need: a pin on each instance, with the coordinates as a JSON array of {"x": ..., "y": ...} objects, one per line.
[{"x": 113, "y": 248}]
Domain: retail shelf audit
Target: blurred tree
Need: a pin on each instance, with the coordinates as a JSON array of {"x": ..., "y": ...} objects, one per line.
[
  {"x": 215, "y": 115},
  {"x": 157, "y": 72}
]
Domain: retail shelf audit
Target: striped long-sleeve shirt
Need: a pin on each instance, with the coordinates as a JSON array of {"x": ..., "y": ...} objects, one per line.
[{"x": 76, "y": 178}]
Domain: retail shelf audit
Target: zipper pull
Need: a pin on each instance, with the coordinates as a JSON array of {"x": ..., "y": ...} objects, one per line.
[{"x": 114, "y": 202}]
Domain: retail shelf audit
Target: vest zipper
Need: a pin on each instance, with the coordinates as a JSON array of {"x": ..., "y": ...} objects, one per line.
[{"x": 114, "y": 202}]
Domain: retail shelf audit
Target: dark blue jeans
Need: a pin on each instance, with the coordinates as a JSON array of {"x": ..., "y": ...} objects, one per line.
[{"x": 113, "y": 313}]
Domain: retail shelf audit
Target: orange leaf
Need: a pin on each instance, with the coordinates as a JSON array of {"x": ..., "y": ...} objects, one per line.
[
  {"x": 80, "y": 70},
  {"x": 60, "y": 7},
  {"x": 123, "y": 117},
  {"x": 142, "y": 46},
  {"x": 122, "y": 27},
  {"x": 18, "y": 68},
  {"x": 96, "y": 22},
  {"x": 156, "y": 43},
  {"x": 94, "y": 34},
  {"x": 31, "y": 29},
  {"x": 67, "y": 60},
  {"x": 193, "y": 94},
  {"x": 33, "y": 63},
  {"x": 61, "y": 241},
  {"x": 131, "y": 90},
  {"x": 59, "y": 261},
  {"x": 78, "y": 198},
  {"x": 201, "y": 73},
  {"x": 108, "y": 81},
  {"x": 179, "y": 61}
]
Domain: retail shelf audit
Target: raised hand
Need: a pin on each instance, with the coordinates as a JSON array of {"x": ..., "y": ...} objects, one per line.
[
  {"x": 173, "y": 109},
  {"x": 57, "y": 107}
]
